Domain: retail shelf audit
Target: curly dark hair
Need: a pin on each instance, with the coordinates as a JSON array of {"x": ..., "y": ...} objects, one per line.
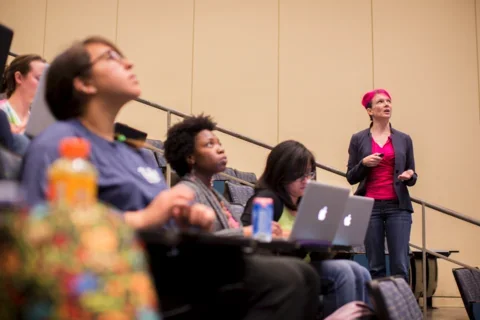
[{"x": 180, "y": 141}]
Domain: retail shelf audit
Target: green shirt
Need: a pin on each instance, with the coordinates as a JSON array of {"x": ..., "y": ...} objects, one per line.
[{"x": 286, "y": 221}]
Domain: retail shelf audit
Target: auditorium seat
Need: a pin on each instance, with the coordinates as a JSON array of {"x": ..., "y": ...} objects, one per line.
[
  {"x": 239, "y": 194},
  {"x": 162, "y": 162},
  {"x": 219, "y": 177},
  {"x": 468, "y": 282},
  {"x": 219, "y": 182},
  {"x": 246, "y": 176},
  {"x": 10, "y": 165},
  {"x": 393, "y": 299},
  {"x": 151, "y": 155}
]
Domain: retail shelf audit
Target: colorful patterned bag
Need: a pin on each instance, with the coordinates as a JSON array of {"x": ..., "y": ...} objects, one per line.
[{"x": 72, "y": 264}]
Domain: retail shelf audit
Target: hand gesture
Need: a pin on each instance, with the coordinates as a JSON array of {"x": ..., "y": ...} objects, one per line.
[
  {"x": 276, "y": 230},
  {"x": 352, "y": 310},
  {"x": 372, "y": 160},
  {"x": 176, "y": 203},
  {"x": 406, "y": 175}
]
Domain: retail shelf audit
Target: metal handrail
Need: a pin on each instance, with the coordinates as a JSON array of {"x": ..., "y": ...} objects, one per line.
[
  {"x": 423, "y": 203},
  {"x": 438, "y": 208},
  {"x": 319, "y": 165}
]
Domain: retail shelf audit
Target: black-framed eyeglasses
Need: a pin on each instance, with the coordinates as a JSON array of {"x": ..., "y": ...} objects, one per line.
[
  {"x": 310, "y": 176},
  {"x": 107, "y": 55}
]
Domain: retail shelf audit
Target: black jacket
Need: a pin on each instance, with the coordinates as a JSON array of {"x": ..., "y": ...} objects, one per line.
[
  {"x": 361, "y": 146},
  {"x": 263, "y": 193}
]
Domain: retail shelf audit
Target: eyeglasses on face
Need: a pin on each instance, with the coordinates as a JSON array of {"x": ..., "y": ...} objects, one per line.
[
  {"x": 310, "y": 176},
  {"x": 107, "y": 55}
]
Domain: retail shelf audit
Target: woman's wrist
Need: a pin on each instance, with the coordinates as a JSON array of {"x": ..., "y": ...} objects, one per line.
[{"x": 135, "y": 219}]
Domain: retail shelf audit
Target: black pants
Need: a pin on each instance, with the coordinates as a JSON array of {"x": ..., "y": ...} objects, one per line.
[{"x": 215, "y": 282}]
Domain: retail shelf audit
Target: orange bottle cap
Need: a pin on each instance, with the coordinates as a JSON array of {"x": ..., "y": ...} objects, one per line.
[{"x": 73, "y": 147}]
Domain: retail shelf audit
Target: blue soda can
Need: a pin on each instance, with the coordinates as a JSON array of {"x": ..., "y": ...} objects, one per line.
[{"x": 262, "y": 216}]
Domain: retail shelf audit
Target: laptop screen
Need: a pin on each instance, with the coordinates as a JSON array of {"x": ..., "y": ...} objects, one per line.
[{"x": 40, "y": 115}]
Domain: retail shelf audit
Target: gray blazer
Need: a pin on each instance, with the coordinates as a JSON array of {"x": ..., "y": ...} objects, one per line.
[
  {"x": 206, "y": 196},
  {"x": 361, "y": 146}
]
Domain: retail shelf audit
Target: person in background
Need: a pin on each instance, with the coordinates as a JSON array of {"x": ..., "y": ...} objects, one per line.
[
  {"x": 20, "y": 82},
  {"x": 381, "y": 159},
  {"x": 196, "y": 154},
  {"x": 87, "y": 85},
  {"x": 290, "y": 165}
]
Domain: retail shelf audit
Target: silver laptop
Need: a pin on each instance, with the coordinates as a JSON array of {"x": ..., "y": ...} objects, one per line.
[
  {"x": 354, "y": 224},
  {"x": 40, "y": 115},
  {"x": 319, "y": 214}
]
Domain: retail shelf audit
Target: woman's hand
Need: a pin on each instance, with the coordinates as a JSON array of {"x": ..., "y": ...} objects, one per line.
[
  {"x": 406, "y": 175},
  {"x": 276, "y": 230},
  {"x": 174, "y": 203},
  {"x": 352, "y": 310},
  {"x": 247, "y": 231},
  {"x": 286, "y": 234},
  {"x": 372, "y": 160}
]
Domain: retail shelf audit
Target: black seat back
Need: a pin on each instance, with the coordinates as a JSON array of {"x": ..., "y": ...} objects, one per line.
[
  {"x": 393, "y": 299},
  {"x": 468, "y": 282}
]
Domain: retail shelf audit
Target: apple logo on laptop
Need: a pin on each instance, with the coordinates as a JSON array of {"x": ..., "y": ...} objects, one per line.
[
  {"x": 347, "y": 221},
  {"x": 322, "y": 214}
]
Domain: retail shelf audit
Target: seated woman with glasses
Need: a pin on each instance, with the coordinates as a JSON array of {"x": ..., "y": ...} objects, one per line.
[
  {"x": 289, "y": 167},
  {"x": 196, "y": 154},
  {"x": 86, "y": 87}
]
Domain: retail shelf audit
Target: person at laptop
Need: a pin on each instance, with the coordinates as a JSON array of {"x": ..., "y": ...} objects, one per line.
[
  {"x": 381, "y": 159},
  {"x": 19, "y": 84},
  {"x": 290, "y": 165},
  {"x": 196, "y": 154},
  {"x": 86, "y": 86}
]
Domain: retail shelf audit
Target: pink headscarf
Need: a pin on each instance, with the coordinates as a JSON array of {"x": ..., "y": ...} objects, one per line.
[{"x": 367, "y": 97}]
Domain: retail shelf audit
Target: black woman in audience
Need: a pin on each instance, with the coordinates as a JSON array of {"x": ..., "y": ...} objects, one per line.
[
  {"x": 290, "y": 165},
  {"x": 87, "y": 85},
  {"x": 196, "y": 154}
]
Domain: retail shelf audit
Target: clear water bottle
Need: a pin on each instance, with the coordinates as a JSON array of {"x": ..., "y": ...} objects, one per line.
[{"x": 262, "y": 216}]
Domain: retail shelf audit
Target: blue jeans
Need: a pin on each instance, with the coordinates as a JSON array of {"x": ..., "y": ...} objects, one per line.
[
  {"x": 341, "y": 282},
  {"x": 389, "y": 221}
]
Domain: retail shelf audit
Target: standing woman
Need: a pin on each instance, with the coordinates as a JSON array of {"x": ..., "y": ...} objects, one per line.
[{"x": 381, "y": 160}]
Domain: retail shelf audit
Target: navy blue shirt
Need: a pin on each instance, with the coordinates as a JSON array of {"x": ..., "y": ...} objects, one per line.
[{"x": 127, "y": 178}]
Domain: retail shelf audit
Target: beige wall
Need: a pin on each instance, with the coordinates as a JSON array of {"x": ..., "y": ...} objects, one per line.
[{"x": 281, "y": 69}]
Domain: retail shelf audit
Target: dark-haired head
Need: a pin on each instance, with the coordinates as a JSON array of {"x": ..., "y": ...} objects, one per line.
[
  {"x": 191, "y": 146},
  {"x": 92, "y": 68},
  {"x": 289, "y": 167},
  {"x": 23, "y": 74}
]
